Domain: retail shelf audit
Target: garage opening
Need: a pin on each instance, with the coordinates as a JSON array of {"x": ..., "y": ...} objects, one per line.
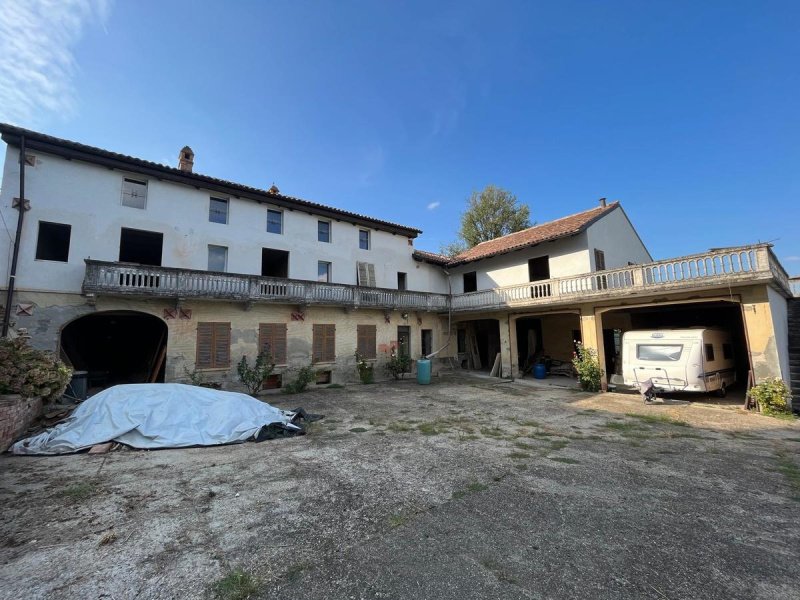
[
  {"x": 549, "y": 340},
  {"x": 717, "y": 314},
  {"x": 478, "y": 344},
  {"x": 116, "y": 347}
]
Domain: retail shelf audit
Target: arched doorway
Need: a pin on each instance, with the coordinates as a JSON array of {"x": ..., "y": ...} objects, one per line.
[{"x": 116, "y": 347}]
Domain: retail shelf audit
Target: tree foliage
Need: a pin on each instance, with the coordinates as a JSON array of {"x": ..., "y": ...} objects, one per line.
[{"x": 491, "y": 213}]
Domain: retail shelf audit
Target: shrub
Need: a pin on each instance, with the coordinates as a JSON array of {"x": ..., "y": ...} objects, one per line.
[
  {"x": 253, "y": 378},
  {"x": 772, "y": 396},
  {"x": 366, "y": 370},
  {"x": 398, "y": 363},
  {"x": 588, "y": 368},
  {"x": 199, "y": 379},
  {"x": 31, "y": 373},
  {"x": 304, "y": 376}
]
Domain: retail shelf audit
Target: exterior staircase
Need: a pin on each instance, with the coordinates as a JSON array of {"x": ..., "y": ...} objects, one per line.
[{"x": 794, "y": 351}]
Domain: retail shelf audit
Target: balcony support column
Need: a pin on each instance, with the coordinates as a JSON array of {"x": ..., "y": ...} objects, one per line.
[
  {"x": 592, "y": 337},
  {"x": 507, "y": 344},
  {"x": 763, "y": 330}
]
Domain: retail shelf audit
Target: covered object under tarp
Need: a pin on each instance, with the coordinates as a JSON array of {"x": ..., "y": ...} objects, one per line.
[{"x": 149, "y": 416}]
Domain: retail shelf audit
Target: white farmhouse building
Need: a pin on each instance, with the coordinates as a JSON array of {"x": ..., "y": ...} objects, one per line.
[{"x": 135, "y": 271}]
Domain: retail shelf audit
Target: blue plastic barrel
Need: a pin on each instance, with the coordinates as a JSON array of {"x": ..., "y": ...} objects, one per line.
[
  {"x": 423, "y": 371},
  {"x": 540, "y": 371}
]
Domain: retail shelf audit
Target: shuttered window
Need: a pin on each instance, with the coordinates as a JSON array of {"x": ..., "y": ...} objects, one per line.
[
  {"x": 599, "y": 260},
  {"x": 213, "y": 345},
  {"x": 272, "y": 340},
  {"x": 366, "y": 274},
  {"x": 366, "y": 341},
  {"x": 324, "y": 344}
]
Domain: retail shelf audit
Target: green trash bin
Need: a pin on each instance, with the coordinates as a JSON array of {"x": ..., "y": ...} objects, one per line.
[{"x": 423, "y": 371}]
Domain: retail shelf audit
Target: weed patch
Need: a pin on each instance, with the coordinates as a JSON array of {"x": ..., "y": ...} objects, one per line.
[
  {"x": 399, "y": 427},
  {"x": 494, "y": 432},
  {"x": 558, "y": 444},
  {"x": 524, "y": 445},
  {"x": 519, "y": 455},
  {"x": 659, "y": 419},
  {"x": 358, "y": 430},
  {"x": 432, "y": 428},
  {"x": 561, "y": 459},
  {"x": 472, "y": 488},
  {"x": 791, "y": 472},
  {"x": 236, "y": 585},
  {"x": 78, "y": 492},
  {"x": 397, "y": 520}
]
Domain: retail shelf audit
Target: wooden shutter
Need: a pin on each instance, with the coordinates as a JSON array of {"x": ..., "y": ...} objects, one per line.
[
  {"x": 213, "y": 346},
  {"x": 366, "y": 274},
  {"x": 272, "y": 339},
  {"x": 599, "y": 260},
  {"x": 366, "y": 340},
  {"x": 324, "y": 343}
]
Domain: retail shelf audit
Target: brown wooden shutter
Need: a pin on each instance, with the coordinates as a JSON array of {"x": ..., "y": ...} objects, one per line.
[
  {"x": 205, "y": 341},
  {"x": 366, "y": 340},
  {"x": 330, "y": 343},
  {"x": 222, "y": 345},
  {"x": 324, "y": 343},
  {"x": 272, "y": 339},
  {"x": 316, "y": 345}
]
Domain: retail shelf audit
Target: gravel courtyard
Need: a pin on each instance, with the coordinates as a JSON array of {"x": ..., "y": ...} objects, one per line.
[{"x": 466, "y": 488}]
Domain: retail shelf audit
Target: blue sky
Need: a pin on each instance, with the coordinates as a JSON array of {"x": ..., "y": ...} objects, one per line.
[{"x": 686, "y": 112}]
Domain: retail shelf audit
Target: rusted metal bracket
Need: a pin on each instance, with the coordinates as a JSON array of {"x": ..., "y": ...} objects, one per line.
[{"x": 16, "y": 201}]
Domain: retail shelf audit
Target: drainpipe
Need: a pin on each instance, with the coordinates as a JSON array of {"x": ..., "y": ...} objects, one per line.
[{"x": 21, "y": 208}]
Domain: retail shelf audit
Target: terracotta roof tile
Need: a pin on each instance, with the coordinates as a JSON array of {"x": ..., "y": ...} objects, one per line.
[
  {"x": 431, "y": 257},
  {"x": 546, "y": 232}
]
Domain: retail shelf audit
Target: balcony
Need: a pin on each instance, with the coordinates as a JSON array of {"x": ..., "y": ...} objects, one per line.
[
  {"x": 118, "y": 279},
  {"x": 717, "y": 268}
]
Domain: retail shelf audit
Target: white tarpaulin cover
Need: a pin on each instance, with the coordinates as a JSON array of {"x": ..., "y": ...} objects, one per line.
[{"x": 157, "y": 415}]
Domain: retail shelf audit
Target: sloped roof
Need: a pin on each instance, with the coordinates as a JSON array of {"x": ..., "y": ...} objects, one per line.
[
  {"x": 546, "y": 232},
  {"x": 431, "y": 257},
  {"x": 74, "y": 150}
]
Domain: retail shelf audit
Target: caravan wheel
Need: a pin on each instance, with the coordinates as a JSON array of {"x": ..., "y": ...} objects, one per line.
[{"x": 723, "y": 391}]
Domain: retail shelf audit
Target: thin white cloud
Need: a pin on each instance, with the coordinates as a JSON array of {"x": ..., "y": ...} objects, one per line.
[
  {"x": 791, "y": 258},
  {"x": 433, "y": 205},
  {"x": 37, "y": 65}
]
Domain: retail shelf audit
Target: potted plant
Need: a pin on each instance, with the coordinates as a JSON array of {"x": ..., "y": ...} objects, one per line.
[{"x": 366, "y": 370}]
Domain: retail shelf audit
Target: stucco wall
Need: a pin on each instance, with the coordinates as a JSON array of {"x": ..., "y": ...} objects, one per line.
[
  {"x": 88, "y": 198},
  {"x": 780, "y": 322},
  {"x": 616, "y": 237}
]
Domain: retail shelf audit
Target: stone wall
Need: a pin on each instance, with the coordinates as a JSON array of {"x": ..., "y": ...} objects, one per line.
[{"x": 15, "y": 416}]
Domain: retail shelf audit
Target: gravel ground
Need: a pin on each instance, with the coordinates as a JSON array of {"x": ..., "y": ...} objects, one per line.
[{"x": 462, "y": 489}]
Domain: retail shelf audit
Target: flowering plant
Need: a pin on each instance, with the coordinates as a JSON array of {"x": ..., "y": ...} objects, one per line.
[{"x": 366, "y": 371}]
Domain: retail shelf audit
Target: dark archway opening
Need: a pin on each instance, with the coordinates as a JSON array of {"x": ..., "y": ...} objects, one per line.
[{"x": 116, "y": 347}]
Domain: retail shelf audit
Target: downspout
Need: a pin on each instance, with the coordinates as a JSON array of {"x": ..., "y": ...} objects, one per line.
[
  {"x": 21, "y": 208},
  {"x": 449, "y": 316}
]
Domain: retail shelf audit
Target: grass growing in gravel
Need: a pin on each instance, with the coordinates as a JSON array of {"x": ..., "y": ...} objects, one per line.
[
  {"x": 432, "y": 428},
  {"x": 561, "y": 459},
  {"x": 359, "y": 429},
  {"x": 397, "y": 520},
  {"x": 791, "y": 472},
  {"x": 519, "y": 455},
  {"x": 236, "y": 585},
  {"x": 399, "y": 427},
  {"x": 655, "y": 419},
  {"x": 470, "y": 489},
  {"x": 79, "y": 491}
]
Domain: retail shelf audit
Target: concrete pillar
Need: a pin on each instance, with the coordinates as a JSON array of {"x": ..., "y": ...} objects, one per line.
[
  {"x": 592, "y": 337},
  {"x": 760, "y": 331},
  {"x": 507, "y": 344}
]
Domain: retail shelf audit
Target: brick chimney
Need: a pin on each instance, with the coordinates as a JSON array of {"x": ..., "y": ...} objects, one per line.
[
  {"x": 602, "y": 202},
  {"x": 186, "y": 159}
]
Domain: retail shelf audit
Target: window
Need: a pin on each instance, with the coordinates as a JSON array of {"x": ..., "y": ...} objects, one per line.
[
  {"x": 470, "y": 282},
  {"x": 709, "y": 352},
  {"x": 324, "y": 272},
  {"x": 659, "y": 352},
  {"x": 599, "y": 260},
  {"x": 218, "y": 210},
  {"x": 324, "y": 344},
  {"x": 272, "y": 340},
  {"x": 365, "y": 274},
  {"x": 727, "y": 351},
  {"x": 274, "y": 263},
  {"x": 134, "y": 193},
  {"x": 217, "y": 258},
  {"x": 324, "y": 231},
  {"x": 365, "y": 341},
  {"x": 363, "y": 239},
  {"x": 427, "y": 342},
  {"x": 139, "y": 246},
  {"x": 274, "y": 221},
  {"x": 539, "y": 270},
  {"x": 53, "y": 241},
  {"x": 401, "y": 281},
  {"x": 213, "y": 346}
]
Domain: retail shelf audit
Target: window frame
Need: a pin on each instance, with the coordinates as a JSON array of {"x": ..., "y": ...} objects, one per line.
[
  {"x": 369, "y": 239},
  {"x": 275, "y": 211},
  {"x": 320, "y": 223},
  {"x": 39, "y": 237},
  {"x": 599, "y": 260},
  {"x": 329, "y": 271},
  {"x": 474, "y": 275},
  {"x": 402, "y": 281},
  {"x": 142, "y": 182},
  {"x": 211, "y": 200},
  {"x": 225, "y": 266},
  {"x": 708, "y": 352},
  {"x": 219, "y": 333},
  {"x": 367, "y": 341}
]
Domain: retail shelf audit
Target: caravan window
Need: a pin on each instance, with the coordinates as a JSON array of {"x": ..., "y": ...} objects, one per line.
[
  {"x": 659, "y": 352},
  {"x": 709, "y": 352}
]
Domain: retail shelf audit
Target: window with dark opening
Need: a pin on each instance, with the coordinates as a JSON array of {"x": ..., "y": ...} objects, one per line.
[
  {"x": 324, "y": 272},
  {"x": 142, "y": 247},
  {"x": 53, "y": 241},
  {"x": 274, "y": 263},
  {"x": 218, "y": 210},
  {"x": 539, "y": 268},
  {"x": 709, "y": 352},
  {"x": 470, "y": 282},
  {"x": 599, "y": 260},
  {"x": 401, "y": 281},
  {"x": 363, "y": 239},
  {"x": 324, "y": 231},
  {"x": 427, "y": 342}
]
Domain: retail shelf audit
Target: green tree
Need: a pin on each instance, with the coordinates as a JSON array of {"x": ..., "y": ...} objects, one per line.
[{"x": 491, "y": 213}]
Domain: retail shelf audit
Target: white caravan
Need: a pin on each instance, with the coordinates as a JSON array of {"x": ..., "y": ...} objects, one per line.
[{"x": 679, "y": 360}]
